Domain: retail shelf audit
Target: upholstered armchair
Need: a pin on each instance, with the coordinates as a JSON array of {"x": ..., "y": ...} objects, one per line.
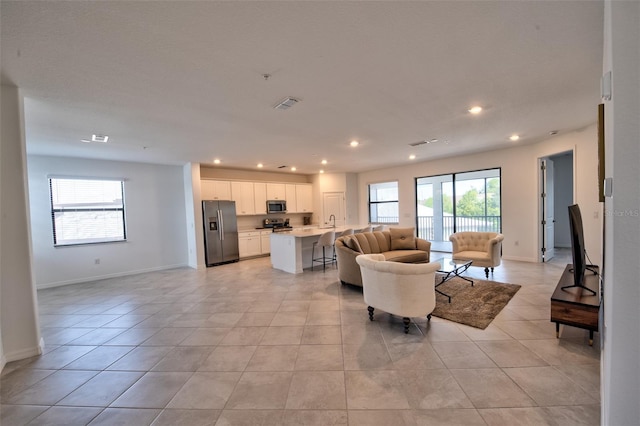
[
  {"x": 403, "y": 289},
  {"x": 483, "y": 248}
]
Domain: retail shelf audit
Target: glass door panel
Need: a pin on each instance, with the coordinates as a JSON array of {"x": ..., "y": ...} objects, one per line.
[
  {"x": 458, "y": 202},
  {"x": 435, "y": 210},
  {"x": 478, "y": 201}
]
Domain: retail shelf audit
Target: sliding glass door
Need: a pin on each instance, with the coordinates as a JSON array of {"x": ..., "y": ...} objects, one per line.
[{"x": 468, "y": 201}]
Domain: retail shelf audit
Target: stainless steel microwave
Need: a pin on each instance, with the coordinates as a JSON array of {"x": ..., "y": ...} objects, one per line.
[{"x": 276, "y": 206}]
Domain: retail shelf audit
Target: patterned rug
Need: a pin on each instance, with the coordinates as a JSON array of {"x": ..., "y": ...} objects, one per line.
[{"x": 476, "y": 306}]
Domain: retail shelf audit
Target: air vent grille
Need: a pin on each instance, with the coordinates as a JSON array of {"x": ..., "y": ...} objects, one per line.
[
  {"x": 418, "y": 143},
  {"x": 286, "y": 103}
]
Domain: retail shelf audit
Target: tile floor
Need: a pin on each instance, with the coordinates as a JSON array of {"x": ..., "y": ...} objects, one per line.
[{"x": 243, "y": 344}]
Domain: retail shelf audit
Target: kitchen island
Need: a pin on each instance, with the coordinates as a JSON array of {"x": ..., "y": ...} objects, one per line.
[{"x": 291, "y": 250}]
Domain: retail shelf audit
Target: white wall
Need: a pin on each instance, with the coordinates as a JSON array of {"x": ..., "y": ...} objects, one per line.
[
  {"x": 18, "y": 308},
  {"x": 193, "y": 203},
  {"x": 520, "y": 188},
  {"x": 352, "y": 209},
  {"x": 326, "y": 182},
  {"x": 155, "y": 219},
  {"x": 620, "y": 356}
]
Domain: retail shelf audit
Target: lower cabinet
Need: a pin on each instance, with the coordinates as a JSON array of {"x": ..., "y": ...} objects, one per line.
[
  {"x": 265, "y": 238},
  {"x": 254, "y": 243},
  {"x": 249, "y": 244}
]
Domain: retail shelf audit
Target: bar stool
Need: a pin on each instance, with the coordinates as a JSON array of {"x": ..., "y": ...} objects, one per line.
[
  {"x": 325, "y": 240},
  {"x": 379, "y": 228},
  {"x": 365, "y": 229}
]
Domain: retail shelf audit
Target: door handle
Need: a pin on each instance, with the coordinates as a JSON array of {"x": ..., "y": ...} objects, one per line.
[{"x": 221, "y": 227}]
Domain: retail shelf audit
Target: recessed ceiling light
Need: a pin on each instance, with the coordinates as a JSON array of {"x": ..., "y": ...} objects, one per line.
[
  {"x": 216, "y": 161},
  {"x": 412, "y": 157},
  {"x": 514, "y": 137},
  {"x": 354, "y": 143},
  {"x": 324, "y": 161},
  {"x": 321, "y": 171},
  {"x": 293, "y": 169},
  {"x": 260, "y": 165},
  {"x": 475, "y": 109}
]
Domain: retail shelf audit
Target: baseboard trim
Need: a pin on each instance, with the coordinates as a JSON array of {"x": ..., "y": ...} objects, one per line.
[
  {"x": 24, "y": 353},
  {"x": 106, "y": 276},
  {"x": 521, "y": 259}
]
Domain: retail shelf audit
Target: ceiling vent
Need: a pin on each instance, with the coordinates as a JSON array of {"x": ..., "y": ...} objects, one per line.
[
  {"x": 96, "y": 138},
  {"x": 287, "y": 103},
  {"x": 282, "y": 167},
  {"x": 424, "y": 142}
]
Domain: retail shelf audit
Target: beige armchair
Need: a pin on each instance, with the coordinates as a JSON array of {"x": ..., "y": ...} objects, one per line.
[
  {"x": 402, "y": 289},
  {"x": 483, "y": 248}
]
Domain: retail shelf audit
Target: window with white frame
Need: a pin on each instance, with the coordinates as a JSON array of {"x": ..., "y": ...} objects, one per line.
[
  {"x": 383, "y": 202},
  {"x": 87, "y": 211}
]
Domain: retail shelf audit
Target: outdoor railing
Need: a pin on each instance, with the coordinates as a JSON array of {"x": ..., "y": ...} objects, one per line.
[
  {"x": 428, "y": 231},
  {"x": 386, "y": 219},
  {"x": 427, "y": 228}
]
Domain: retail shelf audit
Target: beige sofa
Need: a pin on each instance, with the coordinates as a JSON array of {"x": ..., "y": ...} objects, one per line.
[
  {"x": 396, "y": 244},
  {"x": 483, "y": 248}
]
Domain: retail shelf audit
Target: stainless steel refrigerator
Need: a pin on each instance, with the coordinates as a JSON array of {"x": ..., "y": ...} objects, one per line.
[{"x": 220, "y": 232}]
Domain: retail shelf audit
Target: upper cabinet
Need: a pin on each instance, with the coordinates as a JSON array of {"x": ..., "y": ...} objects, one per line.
[
  {"x": 290, "y": 196},
  {"x": 276, "y": 191},
  {"x": 251, "y": 197},
  {"x": 243, "y": 194},
  {"x": 215, "y": 189},
  {"x": 304, "y": 198},
  {"x": 260, "y": 197}
]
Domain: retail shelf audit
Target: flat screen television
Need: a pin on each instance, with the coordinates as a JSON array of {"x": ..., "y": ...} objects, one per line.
[{"x": 577, "y": 249}]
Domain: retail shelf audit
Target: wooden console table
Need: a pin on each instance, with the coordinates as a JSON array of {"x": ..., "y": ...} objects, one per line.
[{"x": 575, "y": 306}]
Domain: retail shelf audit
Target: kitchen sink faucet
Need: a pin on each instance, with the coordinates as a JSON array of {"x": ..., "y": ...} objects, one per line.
[{"x": 334, "y": 219}]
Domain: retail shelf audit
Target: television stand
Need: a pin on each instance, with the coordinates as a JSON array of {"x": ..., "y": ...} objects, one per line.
[{"x": 575, "y": 306}]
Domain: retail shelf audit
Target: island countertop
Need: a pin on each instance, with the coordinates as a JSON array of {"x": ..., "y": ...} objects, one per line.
[
  {"x": 311, "y": 232},
  {"x": 291, "y": 251}
]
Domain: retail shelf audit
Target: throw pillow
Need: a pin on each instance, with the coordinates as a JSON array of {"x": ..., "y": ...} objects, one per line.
[
  {"x": 402, "y": 238},
  {"x": 353, "y": 244}
]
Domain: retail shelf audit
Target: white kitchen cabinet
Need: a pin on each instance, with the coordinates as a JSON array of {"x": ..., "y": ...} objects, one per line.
[
  {"x": 265, "y": 241},
  {"x": 260, "y": 197},
  {"x": 215, "y": 189},
  {"x": 249, "y": 244},
  {"x": 276, "y": 191},
  {"x": 290, "y": 196},
  {"x": 304, "y": 199},
  {"x": 242, "y": 194}
]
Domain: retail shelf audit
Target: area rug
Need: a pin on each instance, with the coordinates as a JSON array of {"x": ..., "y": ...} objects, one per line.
[{"x": 476, "y": 306}]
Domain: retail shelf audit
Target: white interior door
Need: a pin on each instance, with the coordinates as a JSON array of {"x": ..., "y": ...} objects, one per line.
[
  {"x": 548, "y": 223},
  {"x": 333, "y": 204}
]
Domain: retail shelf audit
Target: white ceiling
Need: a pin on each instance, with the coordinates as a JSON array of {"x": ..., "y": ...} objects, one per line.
[{"x": 174, "y": 82}]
